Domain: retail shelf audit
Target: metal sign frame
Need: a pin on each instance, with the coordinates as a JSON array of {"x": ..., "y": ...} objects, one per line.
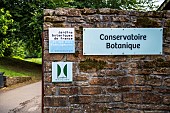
[{"x": 122, "y": 41}]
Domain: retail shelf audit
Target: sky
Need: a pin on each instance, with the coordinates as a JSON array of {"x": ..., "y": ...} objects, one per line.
[{"x": 159, "y": 2}]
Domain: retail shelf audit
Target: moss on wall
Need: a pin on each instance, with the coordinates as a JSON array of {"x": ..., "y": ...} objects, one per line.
[{"x": 91, "y": 64}]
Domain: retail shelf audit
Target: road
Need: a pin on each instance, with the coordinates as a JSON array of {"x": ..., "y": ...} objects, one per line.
[{"x": 25, "y": 99}]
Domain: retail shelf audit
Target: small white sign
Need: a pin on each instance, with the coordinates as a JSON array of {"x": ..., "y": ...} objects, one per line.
[
  {"x": 61, "y": 40},
  {"x": 122, "y": 41},
  {"x": 62, "y": 72}
]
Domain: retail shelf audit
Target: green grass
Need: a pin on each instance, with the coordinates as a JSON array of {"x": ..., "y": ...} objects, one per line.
[
  {"x": 35, "y": 60},
  {"x": 17, "y": 67}
]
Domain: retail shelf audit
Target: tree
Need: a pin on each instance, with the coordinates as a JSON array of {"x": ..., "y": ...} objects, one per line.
[
  {"x": 28, "y": 14},
  {"x": 141, "y": 5},
  {"x": 6, "y": 30}
]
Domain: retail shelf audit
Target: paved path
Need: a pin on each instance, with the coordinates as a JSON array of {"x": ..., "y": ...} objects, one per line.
[{"x": 27, "y": 98}]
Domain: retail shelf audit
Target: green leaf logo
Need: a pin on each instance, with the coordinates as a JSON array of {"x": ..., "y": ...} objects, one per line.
[
  {"x": 58, "y": 70},
  {"x": 65, "y": 70}
]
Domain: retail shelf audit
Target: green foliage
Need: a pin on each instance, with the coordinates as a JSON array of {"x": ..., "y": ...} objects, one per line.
[
  {"x": 18, "y": 49},
  {"x": 5, "y": 21},
  {"x": 6, "y": 31},
  {"x": 28, "y": 15},
  {"x": 63, "y": 3},
  {"x": 3, "y": 45},
  {"x": 141, "y": 5}
]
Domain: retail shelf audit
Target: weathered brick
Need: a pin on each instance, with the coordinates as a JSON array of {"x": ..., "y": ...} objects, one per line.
[
  {"x": 49, "y": 12},
  {"x": 118, "y": 89},
  {"x": 55, "y": 101},
  {"x": 97, "y": 81},
  {"x": 166, "y": 81},
  {"x": 105, "y": 18},
  {"x": 167, "y": 22},
  {"x": 162, "y": 71},
  {"x": 117, "y": 58},
  {"x": 47, "y": 77},
  {"x": 61, "y": 12},
  {"x": 75, "y": 20},
  {"x": 102, "y": 98},
  {"x": 64, "y": 91},
  {"x": 81, "y": 99},
  {"x": 110, "y": 81},
  {"x": 168, "y": 57},
  {"x": 163, "y": 64},
  {"x": 102, "y": 81},
  {"x": 47, "y": 66},
  {"x": 117, "y": 97},
  {"x": 64, "y": 84},
  {"x": 140, "y": 71},
  {"x": 132, "y": 97},
  {"x": 49, "y": 89},
  {"x": 152, "y": 98},
  {"x": 86, "y": 108},
  {"x": 89, "y": 11},
  {"x": 81, "y": 77},
  {"x": 127, "y": 111},
  {"x": 155, "y": 107},
  {"x": 62, "y": 110},
  {"x": 71, "y": 57},
  {"x": 92, "y": 19},
  {"x": 104, "y": 10},
  {"x": 54, "y": 19},
  {"x": 118, "y": 105},
  {"x": 74, "y": 12},
  {"x": 166, "y": 50},
  {"x": 91, "y": 90},
  {"x": 69, "y": 91},
  {"x": 112, "y": 59},
  {"x": 153, "y": 80},
  {"x": 119, "y": 12},
  {"x": 154, "y": 111},
  {"x": 125, "y": 80},
  {"x": 125, "y": 65},
  {"x": 140, "y": 80},
  {"x": 46, "y": 45},
  {"x": 111, "y": 66},
  {"x": 46, "y": 26},
  {"x": 166, "y": 99},
  {"x": 45, "y": 34},
  {"x": 115, "y": 72},
  {"x": 119, "y": 19},
  {"x": 164, "y": 90},
  {"x": 99, "y": 108},
  {"x": 48, "y": 110},
  {"x": 81, "y": 83},
  {"x": 141, "y": 88},
  {"x": 59, "y": 24},
  {"x": 137, "y": 57}
]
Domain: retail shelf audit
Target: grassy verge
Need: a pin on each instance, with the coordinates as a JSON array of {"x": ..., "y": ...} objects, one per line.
[
  {"x": 17, "y": 67},
  {"x": 34, "y": 60}
]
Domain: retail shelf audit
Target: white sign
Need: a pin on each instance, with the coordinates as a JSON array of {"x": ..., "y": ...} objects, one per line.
[
  {"x": 122, "y": 41},
  {"x": 61, "y": 40},
  {"x": 62, "y": 72}
]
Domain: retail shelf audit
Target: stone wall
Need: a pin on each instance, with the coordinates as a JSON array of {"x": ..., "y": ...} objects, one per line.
[
  {"x": 108, "y": 84},
  {"x": 15, "y": 80}
]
